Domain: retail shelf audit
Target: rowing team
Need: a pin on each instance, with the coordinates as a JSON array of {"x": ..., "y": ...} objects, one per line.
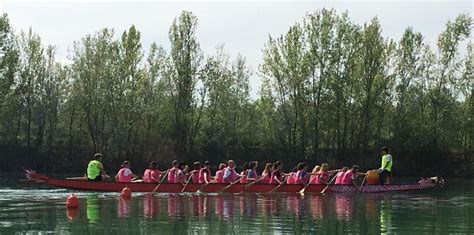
[{"x": 226, "y": 173}]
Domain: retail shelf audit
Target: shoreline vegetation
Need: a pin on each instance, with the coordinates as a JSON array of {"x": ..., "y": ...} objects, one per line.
[{"x": 332, "y": 91}]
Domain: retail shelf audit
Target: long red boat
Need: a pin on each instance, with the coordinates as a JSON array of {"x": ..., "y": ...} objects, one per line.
[{"x": 104, "y": 186}]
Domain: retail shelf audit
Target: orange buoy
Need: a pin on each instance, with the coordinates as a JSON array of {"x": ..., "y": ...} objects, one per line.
[
  {"x": 126, "y": 193},
  {"x": 72, "y": 202},
  {"x": 373, "y": 177}
]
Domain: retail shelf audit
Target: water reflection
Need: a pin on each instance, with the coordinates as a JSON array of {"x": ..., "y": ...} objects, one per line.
[
  {"x": 72, "y": 213},
  {"x": 344, "y": 206},
  {"x": 93, "y": 208},
  {"x": 151, "y": 205},
  {"x": 124, "y": 207}
]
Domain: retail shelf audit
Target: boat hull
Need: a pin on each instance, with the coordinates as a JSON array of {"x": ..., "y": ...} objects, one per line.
[{"x": 236, "y": 188}]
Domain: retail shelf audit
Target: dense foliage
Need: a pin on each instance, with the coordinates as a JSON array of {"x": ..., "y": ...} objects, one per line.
[{"x": 333, "y": 91}]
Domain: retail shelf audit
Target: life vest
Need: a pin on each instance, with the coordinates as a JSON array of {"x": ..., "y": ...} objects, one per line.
[
  {"x": 302, "y": 177},
  {"x": 93, "y": 169},
  {"x": 233, "y": 175},
  {"x": 314, "y": 179},
  {"x": 151, "y": 175},
  {"x": 243, "y": 177},
  {"x": 125, "y": 175},
  {"x": 278, "y": 175},
  {"x": 339, "y": 177},
  {"x": 204, "y": 173},
  {"x": 180, "y": 177},
  {"x": 323, "y": 178},
  {"x": 349, "y": 176},
  {"x": 291, "y": 178},
  {"x": 220, "y": 176},
  {"x": 387, "y": 160},
  {"x": 172, "y": 175},
  {"x": 195, "y": 176},
  {"x": 266, "y": 177}
]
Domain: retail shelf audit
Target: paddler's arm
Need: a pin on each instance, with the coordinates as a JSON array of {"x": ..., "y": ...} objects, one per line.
[{"x": 101, "y": 168}]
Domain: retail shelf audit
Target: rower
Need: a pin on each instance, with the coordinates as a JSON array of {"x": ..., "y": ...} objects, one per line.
[
  {"x": 324, "y": 174},
  {"x": 251, "y": 174},
  {"x": 125, "y": 174},
  {"x": 302, "y": 176},
  {"x": 267, "y": 173},
  {"x": 95, "y": 169},
  {"x": 385, "y": 170},
  {"x": 243, "y": 173},
  {"x": 291, "y": 176},
  {"x": 172, "y": 172},
  {"x": 351, "y": 175},
  {"x": 181, "y": 173},
  {"x": 152, "y": 174},
  {"x": 277, "y": 173},
  {"x": 340, "y": 175},
  {"x": 230, "y": 175},
  {"x": 205, "y": 173},
  {"x": 314, "y": 178},
  {"x": 220, "y": 173},
  {"x": 195, "y": 172}
]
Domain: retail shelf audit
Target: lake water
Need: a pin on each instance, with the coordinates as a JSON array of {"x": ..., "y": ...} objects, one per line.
[{"x": 26, "y": 208}]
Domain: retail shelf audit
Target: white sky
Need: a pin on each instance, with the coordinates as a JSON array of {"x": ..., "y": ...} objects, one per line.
[{"x": 242, "y": 26}]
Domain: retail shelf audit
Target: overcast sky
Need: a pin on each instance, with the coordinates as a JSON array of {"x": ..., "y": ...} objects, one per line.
[{"x": 242, "y": 27}]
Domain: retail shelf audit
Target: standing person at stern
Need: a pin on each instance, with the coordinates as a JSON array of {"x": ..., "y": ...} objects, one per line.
[{"x": 385, "y": 171}]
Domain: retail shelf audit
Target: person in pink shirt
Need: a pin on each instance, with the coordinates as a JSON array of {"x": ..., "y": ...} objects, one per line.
[
  {"x": 266, "y": 174},
  {"x": 314, "y": 176},
  {"x": 230, "y": 175},
  {"x": 205, "y": 173},
  {"x": 243, "y": 173},
  {"x": 251, "y": 174},
  {"x": 278, "y": 175},
  {"x": 351, "y": 175},
  {"x": 195, "y": 172},
  {"x": 172, "y": 172},
  {"x": 181, "y": 173},
  {"x": 125, "y": 174},
  {"x": 220, "y": 173},
  {"x": 152, "y": 174},
  {"x": 340, "y": 175},
  {"x": 302, "y": 177}
]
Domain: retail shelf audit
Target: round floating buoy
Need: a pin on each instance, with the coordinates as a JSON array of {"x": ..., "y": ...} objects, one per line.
[
  {"x": 72, "y": 202},
  {"x": 126, "y": 193}
]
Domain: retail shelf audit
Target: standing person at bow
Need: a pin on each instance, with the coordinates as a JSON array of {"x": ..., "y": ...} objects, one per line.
[
  {"x": 152, "y": 174},
  {"x": 205, "y": 173},
  {"x": 230, "y": 175},
  {"x": 385, "y": 171},
  {"x": 267, "y": 174},
  {"x": 172, "y": 172},
  {"x": 277, "y": 174}
]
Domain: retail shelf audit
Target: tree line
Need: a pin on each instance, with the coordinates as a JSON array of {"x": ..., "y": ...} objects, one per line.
[{"x": 332, "y": 91}]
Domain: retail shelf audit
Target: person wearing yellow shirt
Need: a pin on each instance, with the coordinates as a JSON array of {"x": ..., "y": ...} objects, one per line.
[
  {"x": 95, "y": 169},
  {"x": 385, "y": 171}
]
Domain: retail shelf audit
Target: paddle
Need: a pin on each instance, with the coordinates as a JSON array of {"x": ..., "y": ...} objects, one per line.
[
  {"x": 228, "y": 186},
  {"x": 362, "y": 184},
  {"x": 187, "y": 182},
  {"x": 330, "y": 182},
  {"x": 162, "y": 180},
  {"x": 277, "y": 187},
  {"x": 252, "y": 183}
]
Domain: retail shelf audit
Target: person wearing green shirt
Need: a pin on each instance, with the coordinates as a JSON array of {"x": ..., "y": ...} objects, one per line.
[
  {"x": 385, "y": 171},
  {"x": 95, "y": 169}
]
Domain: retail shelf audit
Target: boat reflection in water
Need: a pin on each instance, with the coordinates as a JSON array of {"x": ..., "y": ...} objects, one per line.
[
  {"x": 316, "y": 206},
  {"x": 344, "y": 206},
  {"x": 124, "y": 207},
  {"x": 151, "y": 205},
  {"x": 72, "y": 213},
  {"x": 93, "y": 208}
]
